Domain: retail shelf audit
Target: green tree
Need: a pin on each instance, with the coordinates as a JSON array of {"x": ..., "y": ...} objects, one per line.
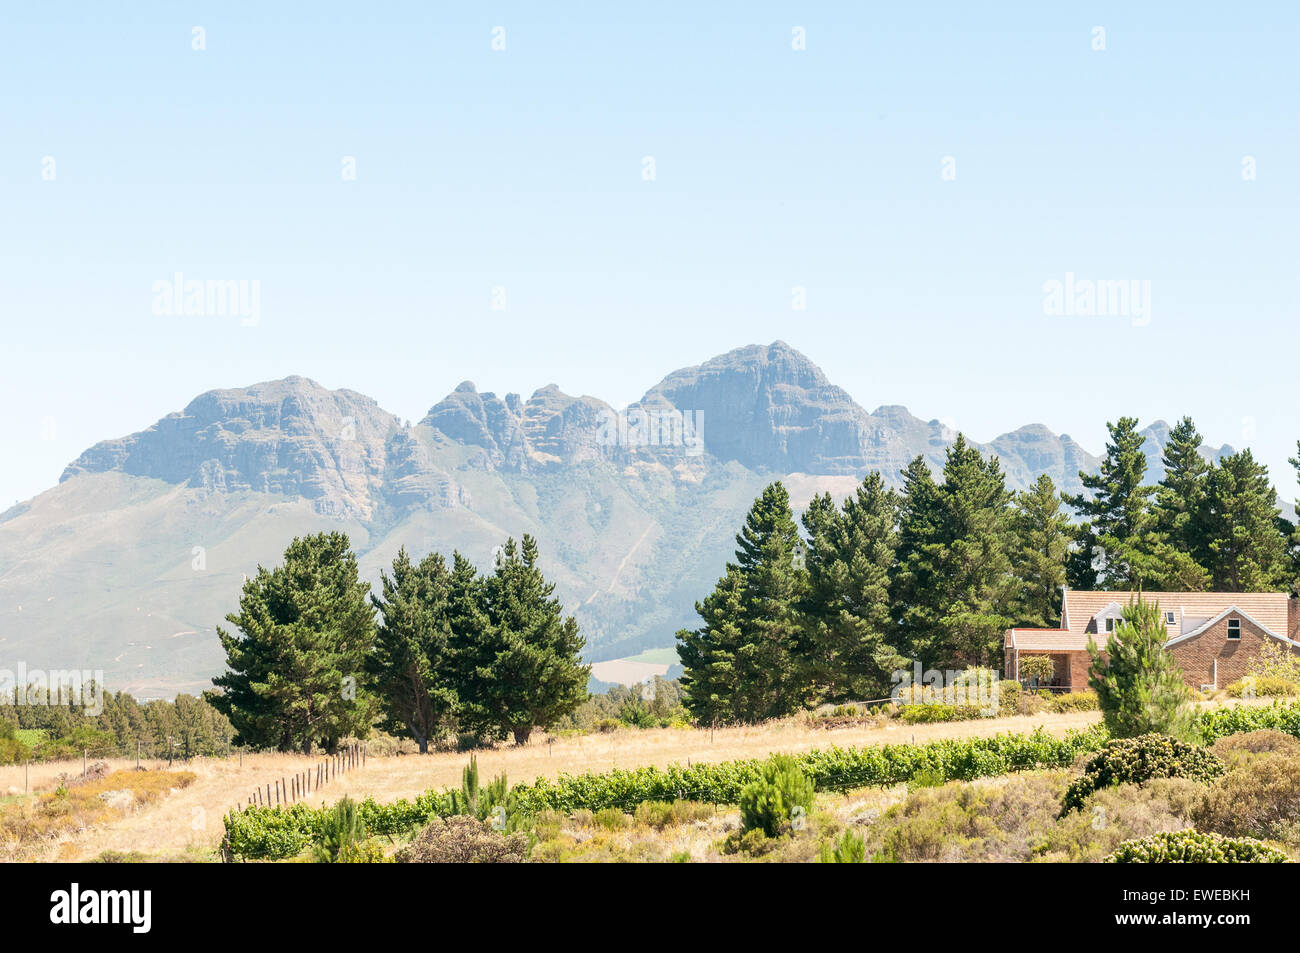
[
  {"x": 411, "y": 665},
  {"x": 297, "y": 664},
  {"x": 1042, "y": 535},
  {"x": 846, "y": 608},
  {"x": 744, "y": 663},
  {"x": 1244, "y": 531},
  {"x": 521, "y": 660},
  {"x": 956, "y": 577},
  {"x": 1180, "y": 496},
  {"x": 1139, "y": 686},
  {"x": 1116, "y": 508}
]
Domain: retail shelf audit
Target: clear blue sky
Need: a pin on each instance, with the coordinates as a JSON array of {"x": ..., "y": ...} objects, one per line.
[{"x": 522, "y": 168}]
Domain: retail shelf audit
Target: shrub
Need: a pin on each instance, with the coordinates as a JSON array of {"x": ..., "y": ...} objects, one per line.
[
  {"x": 461, "y": 839},
  {"x": 1139, "y": 687},
  {"x": 849, "y": 849},
  {"x": 611, "y": 819},
  {"x": 1194, "y": 847},
  {"x": 661, "y": 814},
  {"x": 1074, "y": 701},
  {"x": 1008, "y": 698},
  {"x": 1116, "y": 814},
  {"x": 1239, "y": 747},
  {"x": 340, "y": 835},
  {"x": 997, "y": 821},
  {"x": 781, "y": 793},
  {"x": 1135, "y": 760},
  {"x": 1262, "y": 686},
  {"x": 1275, "y": 661},
  {"x": 1258, "y": 798}
]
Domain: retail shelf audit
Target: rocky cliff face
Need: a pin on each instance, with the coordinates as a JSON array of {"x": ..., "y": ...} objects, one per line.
[
  {"x": 767, "y": 408},
  {"x": 338, "y": 449}
]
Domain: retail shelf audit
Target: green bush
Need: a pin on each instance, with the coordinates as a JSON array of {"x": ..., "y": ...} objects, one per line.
[
  {"x": 340, "y": 835},
  {"x": 849, "y": 849},
  {"x": 1135, "y": 760},
  {"x": 1194, "y": 847},
  {"x": 1074, "y": 701},
  {"x": 661, "y": 814},
  {"x": 780, "y": 794},
  {"x": 611, "y": 819},
  {"x": 1221, "y": 722}
]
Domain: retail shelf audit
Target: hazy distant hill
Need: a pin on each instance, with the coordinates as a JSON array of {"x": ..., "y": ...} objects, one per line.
[{"x": 139, "y": 552}]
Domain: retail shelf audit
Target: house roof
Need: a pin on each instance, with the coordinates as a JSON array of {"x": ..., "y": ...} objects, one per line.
[
  {"x": 1194, "y": 612},
  {"x": 1046, "y": 640}
]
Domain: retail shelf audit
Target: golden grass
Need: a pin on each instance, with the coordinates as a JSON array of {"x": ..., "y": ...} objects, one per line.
[{"x": 31, "y": 827}]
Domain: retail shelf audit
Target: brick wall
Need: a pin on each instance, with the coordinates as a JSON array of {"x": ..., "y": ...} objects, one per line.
[{"x": 1196, "y": 657}]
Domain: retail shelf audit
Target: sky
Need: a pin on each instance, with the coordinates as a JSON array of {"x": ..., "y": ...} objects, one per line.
[{"x": 521, "y": 194}]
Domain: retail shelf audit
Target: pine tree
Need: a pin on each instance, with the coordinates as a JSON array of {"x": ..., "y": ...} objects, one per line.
[
  {"x": 297, "y": 665},
  {"x": 1181, "y": 494},
  {"x": 522, "y": 669},
  {"x": 1244, "y": 531},
  {"x": 956, "y": 574},
  {"x": 411, "y": 660},
  {"x": 713, "y": 684},
  {"x": 1116, "y": 509},
  {"x": 1042, "y": 534},
  {"x": 745, "y": 665},
  {"x": 846, "y": 610},
  {"x": 1139, "y": 686}
]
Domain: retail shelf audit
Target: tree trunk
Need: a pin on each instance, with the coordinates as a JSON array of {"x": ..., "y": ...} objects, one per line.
[
  {"x": 424, "y": 745},
  {"x": 521, "y": 734}
]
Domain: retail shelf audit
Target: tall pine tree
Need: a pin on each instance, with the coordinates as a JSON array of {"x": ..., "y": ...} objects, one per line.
[
  {"x": 297, "y": 665},
  {"x": 1116, "y": 511},
  {"x": 520, "y": 657},
  {"x": 850, "y": 559},
  {"x": 1247, "y": 547},
  {"x": 955, "y": 573},
  {"x": 1042, "y": 540},
  {"x": 411, "y": 661},
  {"x": 746, "y": 666}
]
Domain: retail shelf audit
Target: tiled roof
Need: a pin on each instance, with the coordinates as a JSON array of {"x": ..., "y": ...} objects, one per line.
[
  {"x": 1269, "y": 609},
  {"x": 1044, "y": 640},
  {"x": 1192, "y": 610}
]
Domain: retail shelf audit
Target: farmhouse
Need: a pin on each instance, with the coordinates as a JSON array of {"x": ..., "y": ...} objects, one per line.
[{"x": 1212, "y": 635}]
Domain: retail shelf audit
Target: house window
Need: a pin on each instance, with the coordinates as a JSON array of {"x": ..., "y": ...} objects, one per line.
[
  {"x": 1110, "y": 624},
  {"x": 1170, "y": 618},
  {"x": 1234, "y": 628}
]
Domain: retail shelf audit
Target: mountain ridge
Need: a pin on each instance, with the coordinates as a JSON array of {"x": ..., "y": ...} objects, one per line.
[{"x": 130, "y": 562}]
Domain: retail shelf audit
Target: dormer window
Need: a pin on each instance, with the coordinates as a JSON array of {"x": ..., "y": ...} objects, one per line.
[
  {"x": 1110, "y": 624},
  {"x": 1234, "y": 628}
]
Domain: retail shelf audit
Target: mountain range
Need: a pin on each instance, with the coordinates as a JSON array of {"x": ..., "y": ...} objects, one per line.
[{"x": 129, "y": 563}]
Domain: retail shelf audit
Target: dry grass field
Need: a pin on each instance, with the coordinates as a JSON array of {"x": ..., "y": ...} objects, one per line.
[{"x": 187, "y": 823}]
